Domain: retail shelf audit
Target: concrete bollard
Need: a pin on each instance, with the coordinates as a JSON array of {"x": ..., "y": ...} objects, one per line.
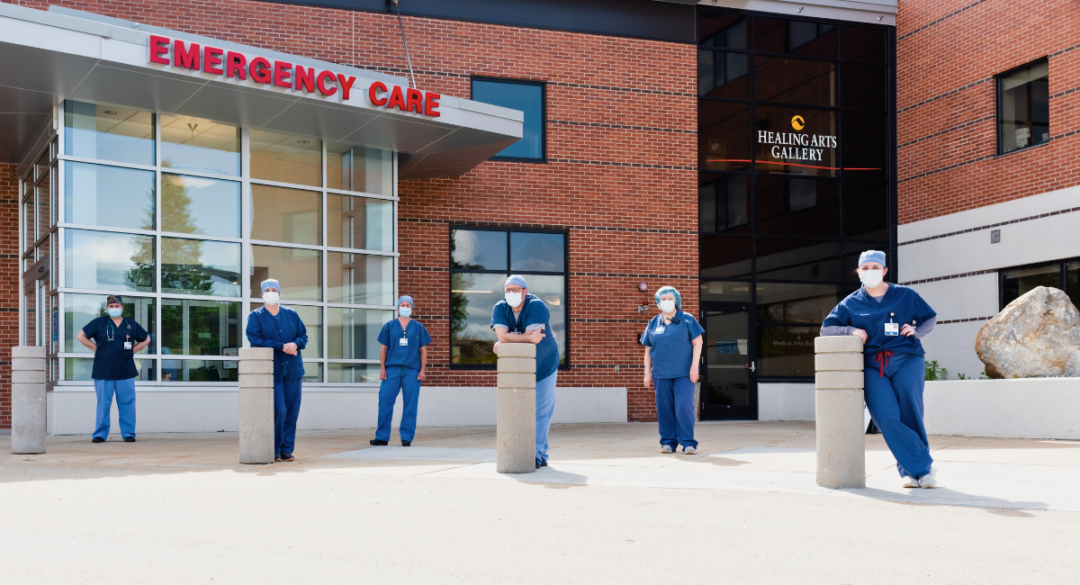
[
  {"x": 27, "y": 400},
  {"x": 515, "y": 432},
  {"x": 256, "y": 405},
  {"x": 841, "y": 431}
]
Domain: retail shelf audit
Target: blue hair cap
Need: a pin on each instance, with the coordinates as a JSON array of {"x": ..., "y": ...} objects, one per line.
[
  {"x": 669, "y": 289},
  {"x": 872, "y": 256},
  {"x": 270, "y": 283},
  {"x": 516, "y": 279},
  {"x": 405, "y": 299}
]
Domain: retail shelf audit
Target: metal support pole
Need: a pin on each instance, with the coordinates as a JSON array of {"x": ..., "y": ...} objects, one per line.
[
  {"x": 516, "y": 425},
  {"x": 841, "y": 431},
  {"x": 256, "y": 405},
  {"x": 28, "y": 400}
]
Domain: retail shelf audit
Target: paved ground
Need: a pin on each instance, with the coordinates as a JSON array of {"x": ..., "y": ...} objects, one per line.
[{"x": 611, "y": 509}]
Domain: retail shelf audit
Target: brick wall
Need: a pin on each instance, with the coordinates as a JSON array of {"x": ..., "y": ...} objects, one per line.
[
  {"x": 620, "y": 176},
  {"x": 948, "y": 52},
  {"x": 9, "y": 286}
]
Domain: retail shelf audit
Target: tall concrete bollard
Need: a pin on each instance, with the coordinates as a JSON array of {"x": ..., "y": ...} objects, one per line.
[
  {"x": 515, "y": 433},
  {"x": 256, "y": 405},
  {"x": 841, "y": 431},
  {"x": 27, "y": 400}
]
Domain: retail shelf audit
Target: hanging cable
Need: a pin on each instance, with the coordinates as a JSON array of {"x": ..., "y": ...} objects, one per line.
[{"x": 401, "y": 26}]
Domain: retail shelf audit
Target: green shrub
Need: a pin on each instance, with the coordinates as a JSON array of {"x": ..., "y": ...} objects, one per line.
[{"x": 936, "y": 372}]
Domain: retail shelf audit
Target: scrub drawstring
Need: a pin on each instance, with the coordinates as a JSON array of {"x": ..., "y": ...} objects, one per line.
[{"x": 882, "y": 358}]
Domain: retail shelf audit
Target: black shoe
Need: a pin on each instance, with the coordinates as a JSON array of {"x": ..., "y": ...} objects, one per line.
[
  {"x": 287, "y": 457},
  {"x": 98, "y": 440},
  {"x": 129, "y": 439},
  {"x": 405, "y": 443},
  {"x": 277, "y": 457},
  {"x": 543, "y": 463},
  {"x": 378, "y": 442},
  {"x": 539, "y": 462}
]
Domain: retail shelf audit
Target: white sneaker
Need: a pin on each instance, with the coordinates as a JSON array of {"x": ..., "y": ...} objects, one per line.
[
  {"x": 667, "y": 449},
  {"x": 689, "y": 450},
  {"x": 929, "y": 480},
  {"x": 910, "y": 482}
]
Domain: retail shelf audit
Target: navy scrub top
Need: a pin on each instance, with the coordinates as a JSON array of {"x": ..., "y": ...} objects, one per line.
[
  {"x": 900, "y": 305},
  {"x": 112, "y": 361},
  {"x": 406, "y": 356},
  {"x": 671, "y": 351},
  {"x": 535, "y": 312}
]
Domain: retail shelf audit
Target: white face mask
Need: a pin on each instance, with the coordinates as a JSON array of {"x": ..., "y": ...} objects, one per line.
[
  {"x": 271, "y": 297},
  {"x": 871, "y": 278},
  {"x": 513, "y": 299},
  {"x": 667, "y": 306}
]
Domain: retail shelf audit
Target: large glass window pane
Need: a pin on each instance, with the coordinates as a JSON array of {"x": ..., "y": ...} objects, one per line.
[
  {"x": 41, "y": 166},
  {"x": 724, "y": 203},
  {"x": 299, "y": 271},
  {"x": 357, "y": 279},
  {"x": 478, "y": 250},
  {"x": 313, "y": 372},
  {"x": 82, "y": 369},
  {"x": 1016, "y": 282},
  {"x": 199, "y": 327},
  {"x": 798, "y": 207},
  {"x": 796, "y": 141},
  {"x": 798, "y": 260},
  {"x": 723, "y": 136},
  {"x": 865, "y": 145},
  {"x": 81, "y": 309},
  {"x": 723, "y": 74},
  {"x": 533, "y": 252},
  {"x": 30, "y": 319},
  {"x": 722, "y": 257},
  {"x": 727, "y": 291},
  {"x": 352, "y": 373},
  {"x": 354, "y": 333},
  {"x": 194, "y": 205},
  {"x": 1025, "y": 107},
  {"x": 796, "y": 81},
  {"x": 359, "y": 223},
  {"x": 357, "y": 168},
  {"x": 1072, "y": 282},
  {"x": 292, "y": 216},
  {"x": 29, "y": 224},
  {"x": 523, "y": 96},
  {"x": 312, "y": 319},
  {"x": 786, "y": 351},
  {"x": 866, "y": 86},
  {"x": 551, "y": 290},
  {"x": 472, "y": 296},
  {"x": 109, "y": 196},
  {"x": 200, "y": 267},
  {"x": 864, "y": 44},
  {"x": 196, "y": 144},
  {"x": 44, "y": 198},
  {"x": 780, "y": 302},
  {"x": 865, "y": 210},
  {"x": 722, "y": 30},
  {"x": 286, "y": 158},
  {"x": 199, "y": 371},
  {"x": 108, "y": 133},
  {"x": 775, "y": 35},
  {"x": 108, "y": 261}
]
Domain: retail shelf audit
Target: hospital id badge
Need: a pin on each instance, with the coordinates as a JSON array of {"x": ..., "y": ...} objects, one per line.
[
  {"x": 127, "y": 345},
  {"x": 892, "y": 329},
  {"x": 659, "y": 329},
  {"x": 403, "y": 342}
]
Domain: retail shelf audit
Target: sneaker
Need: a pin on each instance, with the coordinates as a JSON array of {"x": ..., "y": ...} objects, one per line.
[
  {"x": 539, "y": 462},
  {"x": 378, "y": 442},
  {"x": 98, "y": 440},
  {"x": 691, "y": 450},
  {"x": 287, "y": 457},
  {"x": 910, "y": 482},
  {"x": 667, "y": 449},
  {"x": 405, "y": 443},
  {"x": 543, "y": 463},
  {"x": 129, "y": 439},
  {"x": 277, "y": 457},
  {"x": 929, "y": 480}
]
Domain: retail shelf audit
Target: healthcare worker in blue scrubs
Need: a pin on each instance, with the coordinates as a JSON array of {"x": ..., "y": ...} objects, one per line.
[
  {"x": 891, "y": 319},
  {"x": 280, "y": 328},
  {"x": 673, "y": 341},
  {"x": 524, "y": 318},
  {"x": 402, "y": 363},
  {"x": 114, "y": 340}
]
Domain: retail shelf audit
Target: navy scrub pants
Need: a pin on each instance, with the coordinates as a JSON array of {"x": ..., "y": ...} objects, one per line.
[
  {"x": 286, "y": 411},
  {"x": 398, "y": 379},
  {"x": 894, "y": 395},
  {"x": 675, "y": 411}
]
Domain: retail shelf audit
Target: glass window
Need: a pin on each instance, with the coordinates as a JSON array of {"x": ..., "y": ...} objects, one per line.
[
  {"x": 291, "y": 216},
  {"x": 44, "y": 198},
  {"x": 724, "y": 203},
  {"x": 356, "y": 279},
  {"x": 723, "y": 74},
  {"x": 109, "y": 196},
  {"x": 195, "y": 144},
  {"x": 722, "y": 257},
  {"x": 798, "y": 260},
  {"x": 194, "y": 205},
  {"x": 357, "y": 168},
  {"x": 108, "y": 133},
  {"x": 798, "y": 207},
  {"x": 354, "y": 333},
  {"x": 312, "y": 319},
  {"x": 866, "y": 86},
  {"x": 472, "y": 297},
  {"x": 28, "y": 225},
  {"x": 551, "y": 290},
  {"x": 80, "y": 309},
  {"x": 109, "y": 261},
  {"x": 352, "y": 373},
  {"x": 775, "y": 35},
  {"x": 723, "y": 136},
  {"x": 200, "y": 267},
  {"x": 1016, "y": 282},
  {"x": 796, "y": 141},
  {"x": 865, "y": 145},
  {"x": 727, "y": 291},
  {"x": 359, "y": 223},
  {"x": 298, "y": 270},
  {"x": 82, "y": 369},
  {"x": 41, "y": 166},
  {"x": 1024, "y": 103},
  {"x": 796, "y": 81},
  {"x": 865, "y": 211},
  {"x": 524, "y": 96},
  {"x": 286, "y": 158},
  {"x": 199, "y": 327},
  {"x": 864, "y": 44},
  {"x": 537, "y": 252},
  {"x": 1072, "y": 281},
  {"x": 199, "y": 371},
  {"x": 722, "y": 30},
  {"x": 779, "y": 302},
  {"x": 478, "y": 249},
  {"x": 786, "y": 351}
]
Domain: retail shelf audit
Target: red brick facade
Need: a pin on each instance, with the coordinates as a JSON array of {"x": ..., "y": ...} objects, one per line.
[
  {"x": 9, "y": 286},
  {"x": 948, "y": 52}
]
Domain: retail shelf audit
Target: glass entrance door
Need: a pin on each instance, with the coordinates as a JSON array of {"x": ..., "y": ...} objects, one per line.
[{"x": 729, "y": 387}]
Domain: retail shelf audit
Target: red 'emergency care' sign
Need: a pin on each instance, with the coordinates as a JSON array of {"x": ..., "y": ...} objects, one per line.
[{"x": 230, "y": 64}]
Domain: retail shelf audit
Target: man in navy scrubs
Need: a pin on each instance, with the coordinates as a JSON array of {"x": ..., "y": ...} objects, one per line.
[
  {"x": 114, "y": 340},
  {"x": 281, "y": 329}
]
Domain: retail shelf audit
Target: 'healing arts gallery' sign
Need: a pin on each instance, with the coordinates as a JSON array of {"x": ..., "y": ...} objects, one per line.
[{"x": 797, "y": 146}]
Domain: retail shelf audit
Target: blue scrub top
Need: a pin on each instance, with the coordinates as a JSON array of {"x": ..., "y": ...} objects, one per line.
[
  {"x": 112, "y": 361},
  {"x": 862, "y": 311},
  {"x": 672, "y": 351},
  {"x": 407, "y": 356},
  {"x": 535, "y": 312}
]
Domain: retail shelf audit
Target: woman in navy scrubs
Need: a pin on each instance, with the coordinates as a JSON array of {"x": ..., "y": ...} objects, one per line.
[
  {"x": 890, "y": 319},
  {"x": 402, "y": 360},
  {"x": 673, "y": 339}
]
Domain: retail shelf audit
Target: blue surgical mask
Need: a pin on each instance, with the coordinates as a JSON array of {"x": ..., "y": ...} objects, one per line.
[
  {"x": 115, "y": 312},
  {"x": 405, "y": 311}
]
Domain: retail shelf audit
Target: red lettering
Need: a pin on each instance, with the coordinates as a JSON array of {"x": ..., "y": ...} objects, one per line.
[
  {"x": 396, "y": 99},
  {"x": 305, "y": 78},
  {"x": 212, "y": 60},
  {"x": 282, "y": 74},
  {"x": 321, "y": 83},
  {"x": 159, "y": 46},
  {"x": 346, "y": 85},
  {"x": 236, "y": 65},
  {"x": 431, "y": 104},
  {"x": 260, "y": 70},
  {"x": 187, "y": 58},
  {"x": 375, "y": 99},
  {"x": 414, "y": 97}
]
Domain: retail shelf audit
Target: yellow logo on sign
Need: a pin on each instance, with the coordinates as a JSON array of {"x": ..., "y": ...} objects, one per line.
[{"x": 798, "y": 123}]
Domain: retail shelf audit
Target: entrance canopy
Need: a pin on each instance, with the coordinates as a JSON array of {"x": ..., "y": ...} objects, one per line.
[{"x": 61, "y": 54}]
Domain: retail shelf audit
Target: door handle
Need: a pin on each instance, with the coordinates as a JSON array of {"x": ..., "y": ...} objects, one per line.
[{"x": 751, "y": 367}]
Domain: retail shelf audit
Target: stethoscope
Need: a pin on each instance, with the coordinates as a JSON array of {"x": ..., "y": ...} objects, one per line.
[{"x": 109, "y": 335}]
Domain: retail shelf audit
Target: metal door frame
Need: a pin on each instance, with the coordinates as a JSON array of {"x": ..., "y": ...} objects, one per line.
[{"x": 720, "y": 412}]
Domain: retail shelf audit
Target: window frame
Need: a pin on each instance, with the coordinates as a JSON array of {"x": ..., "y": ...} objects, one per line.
[
  {"x": 1063, "y": 267},
  {"x": 507, "y": 230},
  {"x": 543, "y": 114},
  {"x": 999, "y": 79}
]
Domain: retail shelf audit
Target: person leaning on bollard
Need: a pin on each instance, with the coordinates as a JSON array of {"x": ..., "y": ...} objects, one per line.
[
  {"x": 523, "y": 318},
  {"x": 114, "y": 340},
  {"x": 281, "y": 328},
  {"x": 402, "y": 361},
  {"x": 673, "y": 351},
  {"x": 891, "y": 319}
]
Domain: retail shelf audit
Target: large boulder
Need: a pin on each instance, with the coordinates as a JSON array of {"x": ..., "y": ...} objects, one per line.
[{"x": 1036, "y": 336}]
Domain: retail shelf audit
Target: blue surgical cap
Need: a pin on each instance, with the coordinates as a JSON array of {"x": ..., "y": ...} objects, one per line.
[
  {"x": 669, "y": 289},
  {"x": 516, "y": 279},
  {"x": 270, "y": 283},
  {"x": 872, "y": 256},
  {"x": 405, "y": 298}
]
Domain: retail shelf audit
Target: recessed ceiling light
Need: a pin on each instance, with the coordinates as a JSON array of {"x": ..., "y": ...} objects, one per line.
[
  {"x": 304, "y": 141},
  {"x": 111, "y": 112}
]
